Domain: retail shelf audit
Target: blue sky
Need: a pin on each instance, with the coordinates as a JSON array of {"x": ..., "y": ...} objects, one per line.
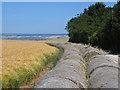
[{"x": 40, "y": 17}]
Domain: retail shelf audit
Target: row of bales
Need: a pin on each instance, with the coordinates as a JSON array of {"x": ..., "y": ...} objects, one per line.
[{"x": 82, "y": 66}]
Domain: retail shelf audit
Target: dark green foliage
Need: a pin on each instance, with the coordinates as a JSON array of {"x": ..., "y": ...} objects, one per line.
[
  {"x": 98, "y": 25},
  {"x": 61, "y": 51},
  {"x": 13, "y": 83}
]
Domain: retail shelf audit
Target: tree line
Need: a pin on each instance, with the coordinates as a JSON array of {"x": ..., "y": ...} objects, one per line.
[{"x": 98, "y": 25}]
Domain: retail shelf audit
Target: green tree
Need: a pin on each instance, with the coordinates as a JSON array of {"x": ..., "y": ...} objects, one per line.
[{"x": 98, "y": 25}]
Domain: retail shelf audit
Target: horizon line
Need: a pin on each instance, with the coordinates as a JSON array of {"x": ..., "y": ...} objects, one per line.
[{"x": 33, "y": 33}]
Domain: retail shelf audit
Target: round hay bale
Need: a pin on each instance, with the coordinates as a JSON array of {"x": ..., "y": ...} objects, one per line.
[
  {"x": 83, "y": 49},
  {"x": 75, "y": 45},
  {"x": 61, "y": 45},
  {"x": 91, "y": 52},
  {"x": 73, "y": 56},
  {"x": 55, "y": 82},
  {"x": 105, "y": 77},
  {"x": 71, "y": 48},
  {"x": 68, "y": 69},
  {"x": 79, "y": 46},
  {"x": 102, "y": 61},
  {"x": 70, "y": 52},
  {"x": 76, "y": 77},
  {"x": 72, "y": 62}
]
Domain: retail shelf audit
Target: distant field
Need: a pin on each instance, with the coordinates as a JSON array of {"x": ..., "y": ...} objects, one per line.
[
  {"x": 22, "y": 60},
  {"x": 60, "y": 40},
  {"x": 35, "y": 37}
]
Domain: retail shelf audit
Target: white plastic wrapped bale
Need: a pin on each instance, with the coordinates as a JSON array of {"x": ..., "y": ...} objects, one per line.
[{"x": 104, "y": 77}]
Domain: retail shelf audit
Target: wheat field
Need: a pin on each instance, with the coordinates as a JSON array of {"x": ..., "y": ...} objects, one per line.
[{"x": 22, "y": 60}]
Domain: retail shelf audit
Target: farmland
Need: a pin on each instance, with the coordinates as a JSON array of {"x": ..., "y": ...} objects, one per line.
[{"x": 23, "y": 60}]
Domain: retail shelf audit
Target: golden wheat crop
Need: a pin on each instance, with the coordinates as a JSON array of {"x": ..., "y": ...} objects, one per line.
[{"x": 21, "y": 60}]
